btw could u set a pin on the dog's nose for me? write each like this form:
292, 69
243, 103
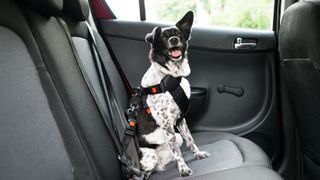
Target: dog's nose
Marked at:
174, 40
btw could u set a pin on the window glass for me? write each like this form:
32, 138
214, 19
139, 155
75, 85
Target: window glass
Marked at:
125, 9
256, 14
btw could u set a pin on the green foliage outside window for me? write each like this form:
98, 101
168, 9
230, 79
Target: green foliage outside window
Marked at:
255, 14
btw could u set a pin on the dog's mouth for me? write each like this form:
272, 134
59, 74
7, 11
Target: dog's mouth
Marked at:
175, 52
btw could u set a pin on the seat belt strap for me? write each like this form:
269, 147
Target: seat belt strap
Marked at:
104, 114
134, 167
102, 111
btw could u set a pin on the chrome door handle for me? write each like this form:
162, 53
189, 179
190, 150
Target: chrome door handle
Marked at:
239, 44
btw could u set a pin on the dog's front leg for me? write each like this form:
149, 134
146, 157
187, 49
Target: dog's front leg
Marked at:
185, 133
174, 146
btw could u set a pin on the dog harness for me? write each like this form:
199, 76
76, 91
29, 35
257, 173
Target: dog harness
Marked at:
168, 83
172, 85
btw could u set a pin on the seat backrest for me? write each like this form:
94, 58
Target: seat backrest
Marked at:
76, 13
37, 140
299, 47
76, 17
50, 127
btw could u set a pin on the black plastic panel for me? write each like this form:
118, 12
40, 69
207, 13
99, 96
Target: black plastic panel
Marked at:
227, 112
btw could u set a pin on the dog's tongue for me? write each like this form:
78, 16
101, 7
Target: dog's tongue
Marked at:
175, 53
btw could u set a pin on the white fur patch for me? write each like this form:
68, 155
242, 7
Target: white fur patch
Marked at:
156, 137
156, 72
149, 159
163, 154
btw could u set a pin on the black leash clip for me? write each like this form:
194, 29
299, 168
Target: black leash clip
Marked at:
132, 121
132, 110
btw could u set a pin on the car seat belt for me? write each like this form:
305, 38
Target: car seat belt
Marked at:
123, 76
129, 163
134, 156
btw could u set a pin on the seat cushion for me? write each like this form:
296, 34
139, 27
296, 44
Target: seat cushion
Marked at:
228, 153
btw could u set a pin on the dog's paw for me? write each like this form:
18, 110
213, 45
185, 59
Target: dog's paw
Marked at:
147, 175
201, 154
185, 171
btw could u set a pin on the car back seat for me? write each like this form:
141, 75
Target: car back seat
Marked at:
51, 127
228, 151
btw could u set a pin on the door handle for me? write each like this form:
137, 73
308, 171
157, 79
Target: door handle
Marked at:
245, 43
237, 91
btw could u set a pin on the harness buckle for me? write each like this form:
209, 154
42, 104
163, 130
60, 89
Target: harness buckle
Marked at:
131, 129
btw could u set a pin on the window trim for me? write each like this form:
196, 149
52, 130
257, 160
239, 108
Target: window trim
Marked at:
276, 16
142, 10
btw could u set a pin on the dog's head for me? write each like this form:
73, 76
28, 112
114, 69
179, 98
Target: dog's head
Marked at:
171, 43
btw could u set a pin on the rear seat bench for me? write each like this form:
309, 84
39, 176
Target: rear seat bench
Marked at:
50, 125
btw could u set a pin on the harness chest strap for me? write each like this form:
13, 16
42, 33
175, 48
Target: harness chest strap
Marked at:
172, 85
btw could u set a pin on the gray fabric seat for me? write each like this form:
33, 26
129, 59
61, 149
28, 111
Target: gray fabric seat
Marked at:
299, 45
228, 153
37, 140
50, 126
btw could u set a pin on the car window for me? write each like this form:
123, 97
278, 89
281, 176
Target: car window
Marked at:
255, 14
125, 9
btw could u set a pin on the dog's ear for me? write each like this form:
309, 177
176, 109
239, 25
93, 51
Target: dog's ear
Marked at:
185, 24
154, 36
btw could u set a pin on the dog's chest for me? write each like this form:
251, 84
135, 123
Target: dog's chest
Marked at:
163, 108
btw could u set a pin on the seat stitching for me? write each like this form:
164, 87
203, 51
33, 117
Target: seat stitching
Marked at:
241, 152
296, 59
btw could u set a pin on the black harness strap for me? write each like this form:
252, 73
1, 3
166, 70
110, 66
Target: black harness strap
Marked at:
130, 131
181, 99
172, 85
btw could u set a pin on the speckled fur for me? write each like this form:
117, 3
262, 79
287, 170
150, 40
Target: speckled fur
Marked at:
166, 113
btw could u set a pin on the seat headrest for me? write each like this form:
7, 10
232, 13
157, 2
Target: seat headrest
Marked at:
45, 7
299, 32
76, 9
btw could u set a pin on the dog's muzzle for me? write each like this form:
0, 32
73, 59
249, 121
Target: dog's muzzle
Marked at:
173, 41
174, 47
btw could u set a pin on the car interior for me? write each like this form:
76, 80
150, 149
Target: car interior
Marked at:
67, 68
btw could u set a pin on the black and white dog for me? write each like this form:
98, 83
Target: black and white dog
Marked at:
168, 56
